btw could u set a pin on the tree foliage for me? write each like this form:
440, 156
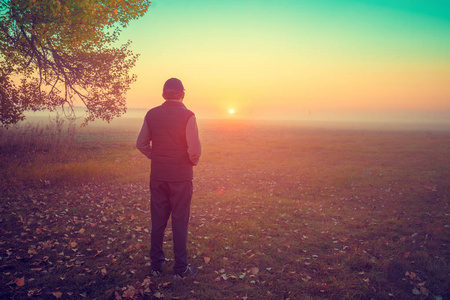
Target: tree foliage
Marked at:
59, 52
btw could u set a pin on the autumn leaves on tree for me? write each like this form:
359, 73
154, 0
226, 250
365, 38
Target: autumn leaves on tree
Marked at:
59, 52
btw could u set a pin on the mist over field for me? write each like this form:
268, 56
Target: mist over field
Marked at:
407, 120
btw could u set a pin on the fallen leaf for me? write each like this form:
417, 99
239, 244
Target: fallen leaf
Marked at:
432, 188
424, 291
20, 281
254, 270
146, 282
57, 294
130, 292
207, 259
73, 244
34, 292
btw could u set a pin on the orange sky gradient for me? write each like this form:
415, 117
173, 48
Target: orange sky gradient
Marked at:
293, 59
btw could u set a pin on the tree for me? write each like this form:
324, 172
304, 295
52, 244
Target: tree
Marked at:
57, 52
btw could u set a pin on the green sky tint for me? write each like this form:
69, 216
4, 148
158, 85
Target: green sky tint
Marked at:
289, 56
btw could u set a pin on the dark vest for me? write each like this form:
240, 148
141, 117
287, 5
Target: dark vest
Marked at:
170, 159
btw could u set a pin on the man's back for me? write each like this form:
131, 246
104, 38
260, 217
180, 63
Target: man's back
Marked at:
169, 137
167, 125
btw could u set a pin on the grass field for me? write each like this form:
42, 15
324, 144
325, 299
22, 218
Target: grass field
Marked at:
279, 212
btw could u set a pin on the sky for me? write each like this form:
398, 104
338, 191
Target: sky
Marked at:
293, 59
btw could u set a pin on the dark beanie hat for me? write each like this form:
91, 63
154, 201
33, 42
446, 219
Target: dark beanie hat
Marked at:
173, 84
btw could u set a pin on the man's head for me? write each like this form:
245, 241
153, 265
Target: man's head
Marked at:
173, 89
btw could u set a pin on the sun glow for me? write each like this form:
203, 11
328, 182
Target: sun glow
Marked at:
231, 111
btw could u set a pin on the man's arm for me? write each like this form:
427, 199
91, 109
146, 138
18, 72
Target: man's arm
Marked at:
143, 141
194, 147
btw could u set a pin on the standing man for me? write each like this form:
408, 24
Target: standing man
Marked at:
169, 137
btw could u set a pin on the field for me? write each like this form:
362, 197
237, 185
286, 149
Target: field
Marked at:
280, 211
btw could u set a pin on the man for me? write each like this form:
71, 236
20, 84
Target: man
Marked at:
175, 148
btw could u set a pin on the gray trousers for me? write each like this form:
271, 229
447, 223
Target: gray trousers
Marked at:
170, 198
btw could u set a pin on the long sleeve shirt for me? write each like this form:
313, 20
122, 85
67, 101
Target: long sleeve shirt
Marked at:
194, 148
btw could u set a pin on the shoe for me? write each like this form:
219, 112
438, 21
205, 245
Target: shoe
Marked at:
157, 273
189, 272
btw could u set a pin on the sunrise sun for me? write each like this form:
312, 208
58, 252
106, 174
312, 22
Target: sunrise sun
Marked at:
231, 111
